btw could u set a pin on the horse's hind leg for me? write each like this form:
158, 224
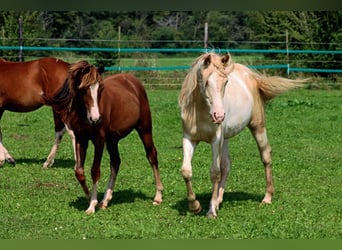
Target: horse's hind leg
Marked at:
95, 174
265, 150
151, 154
225, 168
4, 155
59, 132
81, 150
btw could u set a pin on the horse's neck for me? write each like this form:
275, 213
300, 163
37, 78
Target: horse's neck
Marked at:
199, 103
194, 111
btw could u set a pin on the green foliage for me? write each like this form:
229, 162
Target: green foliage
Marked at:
106, 33
34, 28
307, 30
304, 128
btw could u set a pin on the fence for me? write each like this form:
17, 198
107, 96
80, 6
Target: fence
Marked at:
156, 74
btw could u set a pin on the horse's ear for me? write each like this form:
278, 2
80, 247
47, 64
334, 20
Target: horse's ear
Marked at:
225, 59
101, 69
207, 60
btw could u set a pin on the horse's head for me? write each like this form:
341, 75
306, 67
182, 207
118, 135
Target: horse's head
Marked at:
213, 77
86, 83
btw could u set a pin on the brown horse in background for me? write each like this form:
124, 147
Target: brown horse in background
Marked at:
22, 87
105, 112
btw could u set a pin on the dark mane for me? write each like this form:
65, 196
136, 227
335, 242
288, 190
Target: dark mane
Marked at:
81, 75
62, 99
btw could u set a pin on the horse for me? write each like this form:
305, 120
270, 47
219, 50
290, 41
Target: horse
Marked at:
218, 99
104, 111
22, 86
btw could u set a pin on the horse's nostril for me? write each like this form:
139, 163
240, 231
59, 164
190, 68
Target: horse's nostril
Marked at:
219, 116
95, 121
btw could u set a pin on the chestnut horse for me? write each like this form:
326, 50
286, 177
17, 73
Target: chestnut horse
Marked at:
218, 100
22, 86
105, 112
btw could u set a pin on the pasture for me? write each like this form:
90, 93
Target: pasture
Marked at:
305, 132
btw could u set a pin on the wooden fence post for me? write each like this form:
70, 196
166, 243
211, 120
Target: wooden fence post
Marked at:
20, 39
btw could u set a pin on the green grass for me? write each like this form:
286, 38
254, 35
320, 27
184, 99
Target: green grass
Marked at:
304, 128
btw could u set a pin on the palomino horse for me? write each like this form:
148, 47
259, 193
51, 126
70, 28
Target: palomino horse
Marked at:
22, 86
105, 112
218, 100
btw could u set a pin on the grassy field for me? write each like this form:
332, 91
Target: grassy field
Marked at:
304, 127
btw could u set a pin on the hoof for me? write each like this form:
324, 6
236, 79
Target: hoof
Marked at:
265, 202
156, 202
11, 161
47, 164
90, 211
102, 206
210, 215
195, 207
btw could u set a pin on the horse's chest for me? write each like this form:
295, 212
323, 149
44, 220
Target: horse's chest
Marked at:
203, 131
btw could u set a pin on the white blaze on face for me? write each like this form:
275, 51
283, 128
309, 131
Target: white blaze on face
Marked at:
93, 112
215, 94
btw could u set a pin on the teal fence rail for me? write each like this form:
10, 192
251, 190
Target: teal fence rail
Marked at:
189, 50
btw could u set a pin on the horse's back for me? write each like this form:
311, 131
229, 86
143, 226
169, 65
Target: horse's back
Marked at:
124, 104
20, 69
53, 73
24, 83
125, 85
125, 81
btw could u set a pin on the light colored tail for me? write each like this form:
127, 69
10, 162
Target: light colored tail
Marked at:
272, 86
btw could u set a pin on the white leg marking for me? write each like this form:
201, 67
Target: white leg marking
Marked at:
93, 200
52, 155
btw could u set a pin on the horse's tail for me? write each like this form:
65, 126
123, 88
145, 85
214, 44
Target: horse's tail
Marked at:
272, 86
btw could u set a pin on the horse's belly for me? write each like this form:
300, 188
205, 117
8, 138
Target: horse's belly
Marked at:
231, 130
26, 101
22, 107
236, 121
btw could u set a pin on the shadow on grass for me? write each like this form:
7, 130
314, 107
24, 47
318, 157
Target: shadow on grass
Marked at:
204, 199
58, 163
119, 197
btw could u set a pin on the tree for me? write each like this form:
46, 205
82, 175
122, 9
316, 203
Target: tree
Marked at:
105, 38
35, 31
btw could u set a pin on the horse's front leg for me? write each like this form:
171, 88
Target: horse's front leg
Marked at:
95, 174
215, 176
81, 150
112, 148
225, 169
4, 155
188, 151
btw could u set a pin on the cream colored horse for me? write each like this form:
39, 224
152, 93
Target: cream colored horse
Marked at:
218, 100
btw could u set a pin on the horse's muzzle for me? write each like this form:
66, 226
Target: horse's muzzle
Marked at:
218, 118
94, 121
